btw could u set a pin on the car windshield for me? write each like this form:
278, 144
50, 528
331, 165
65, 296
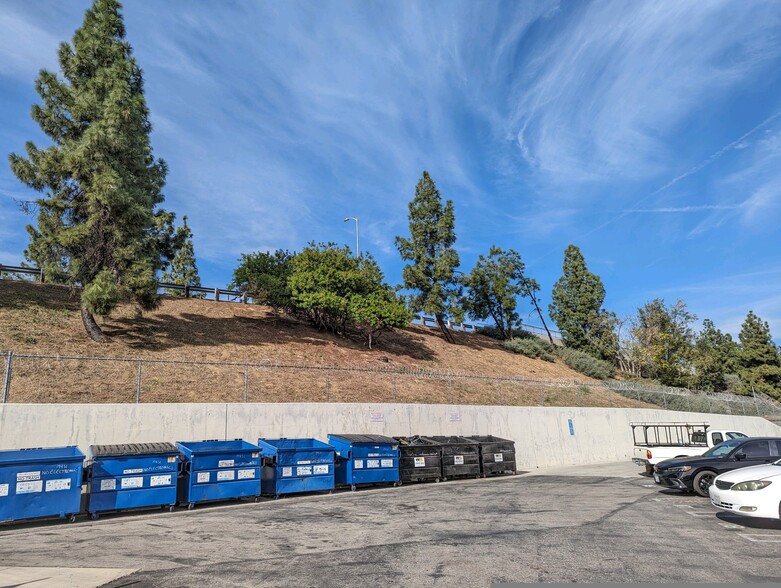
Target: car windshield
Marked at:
736, 435
722, 449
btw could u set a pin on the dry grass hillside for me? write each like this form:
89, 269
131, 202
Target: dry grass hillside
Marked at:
44, 320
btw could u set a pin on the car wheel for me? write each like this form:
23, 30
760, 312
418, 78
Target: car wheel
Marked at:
703, 481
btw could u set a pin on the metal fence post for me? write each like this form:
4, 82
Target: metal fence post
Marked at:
451, 390
394, 387
754, 394
246, 381
664, 397
9, 359
138, 384
327, 385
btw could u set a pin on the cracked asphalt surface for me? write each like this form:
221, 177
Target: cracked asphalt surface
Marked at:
600, 523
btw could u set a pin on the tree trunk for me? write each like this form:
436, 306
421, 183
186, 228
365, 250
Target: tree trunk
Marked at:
539, 312
93, 330
445, 331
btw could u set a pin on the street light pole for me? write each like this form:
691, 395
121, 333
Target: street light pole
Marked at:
357, 248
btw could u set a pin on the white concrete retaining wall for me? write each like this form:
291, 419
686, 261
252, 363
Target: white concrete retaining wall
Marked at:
541, 434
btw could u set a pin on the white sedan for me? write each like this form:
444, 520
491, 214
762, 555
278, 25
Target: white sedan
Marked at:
754, 491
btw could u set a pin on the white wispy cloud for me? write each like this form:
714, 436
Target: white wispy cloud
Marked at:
608, 88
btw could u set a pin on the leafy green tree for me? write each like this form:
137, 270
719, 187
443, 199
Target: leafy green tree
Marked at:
99, 225
183, 270
431, 275
264, 276
759, 367
576, 305
339, 292
714, 356
665, 339
494, 285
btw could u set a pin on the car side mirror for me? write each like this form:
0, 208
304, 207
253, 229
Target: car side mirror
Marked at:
739, 456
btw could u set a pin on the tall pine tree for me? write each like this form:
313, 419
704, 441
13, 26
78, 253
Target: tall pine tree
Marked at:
431, 275
760, 370
183, 270
576, 305
99, 225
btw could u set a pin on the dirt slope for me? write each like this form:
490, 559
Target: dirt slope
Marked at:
44, 319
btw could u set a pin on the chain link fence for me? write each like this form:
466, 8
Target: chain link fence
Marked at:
29, 378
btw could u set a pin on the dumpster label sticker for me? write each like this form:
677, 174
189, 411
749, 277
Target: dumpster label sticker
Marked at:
108, 485
498, 457
225, 463
287, 472
28, 476
372, 463
160, 481
227, 475
256, 454
137, 482
374, 455
3, 489
133, 471
387, 463
321, 469
61, 484
304, 470
246, 474
172, 459
304, 462
358, 464
29, 487
458, 460
203, 477
420, 462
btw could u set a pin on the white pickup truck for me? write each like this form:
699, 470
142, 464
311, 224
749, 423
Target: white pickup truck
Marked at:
655, 442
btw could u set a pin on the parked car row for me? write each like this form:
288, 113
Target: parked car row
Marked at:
37, 483
740, 475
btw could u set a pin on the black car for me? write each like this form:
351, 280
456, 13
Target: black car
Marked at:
697, 473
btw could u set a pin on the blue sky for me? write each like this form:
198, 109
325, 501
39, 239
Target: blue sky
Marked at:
646, 133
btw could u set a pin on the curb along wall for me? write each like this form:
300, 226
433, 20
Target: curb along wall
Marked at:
542, 434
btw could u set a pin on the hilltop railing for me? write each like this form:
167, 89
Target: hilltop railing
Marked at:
223, 295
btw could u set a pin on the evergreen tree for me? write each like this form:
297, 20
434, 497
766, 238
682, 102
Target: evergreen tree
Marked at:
431, 275
98, 219
577, 302
494, 286
182, 270
714, 356
339, 292
760, 370
264, 276
665, 341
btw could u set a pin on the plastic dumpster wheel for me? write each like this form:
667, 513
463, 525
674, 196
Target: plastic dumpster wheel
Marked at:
93, 516
172, 508
436, 480
397, 484
72, 518
444, 479
191, 506
330, 492
352, 487
276, 496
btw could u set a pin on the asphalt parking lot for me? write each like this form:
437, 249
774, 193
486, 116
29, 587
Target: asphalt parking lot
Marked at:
601, 523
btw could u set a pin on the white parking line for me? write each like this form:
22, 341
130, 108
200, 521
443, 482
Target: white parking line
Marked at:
761, 538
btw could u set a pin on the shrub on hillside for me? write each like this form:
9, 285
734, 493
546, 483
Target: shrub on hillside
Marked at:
586, 364
534, 348
495, 333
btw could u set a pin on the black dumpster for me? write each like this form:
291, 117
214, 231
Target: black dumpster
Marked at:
497, 455
421, 459
460, 457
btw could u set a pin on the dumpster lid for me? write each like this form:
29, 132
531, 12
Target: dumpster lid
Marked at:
489, 439
365, 438
132, 449
452, 440
416, 440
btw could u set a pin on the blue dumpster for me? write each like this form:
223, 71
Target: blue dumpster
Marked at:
40, 483
365, 459
218, 470
296, 465
132, 475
